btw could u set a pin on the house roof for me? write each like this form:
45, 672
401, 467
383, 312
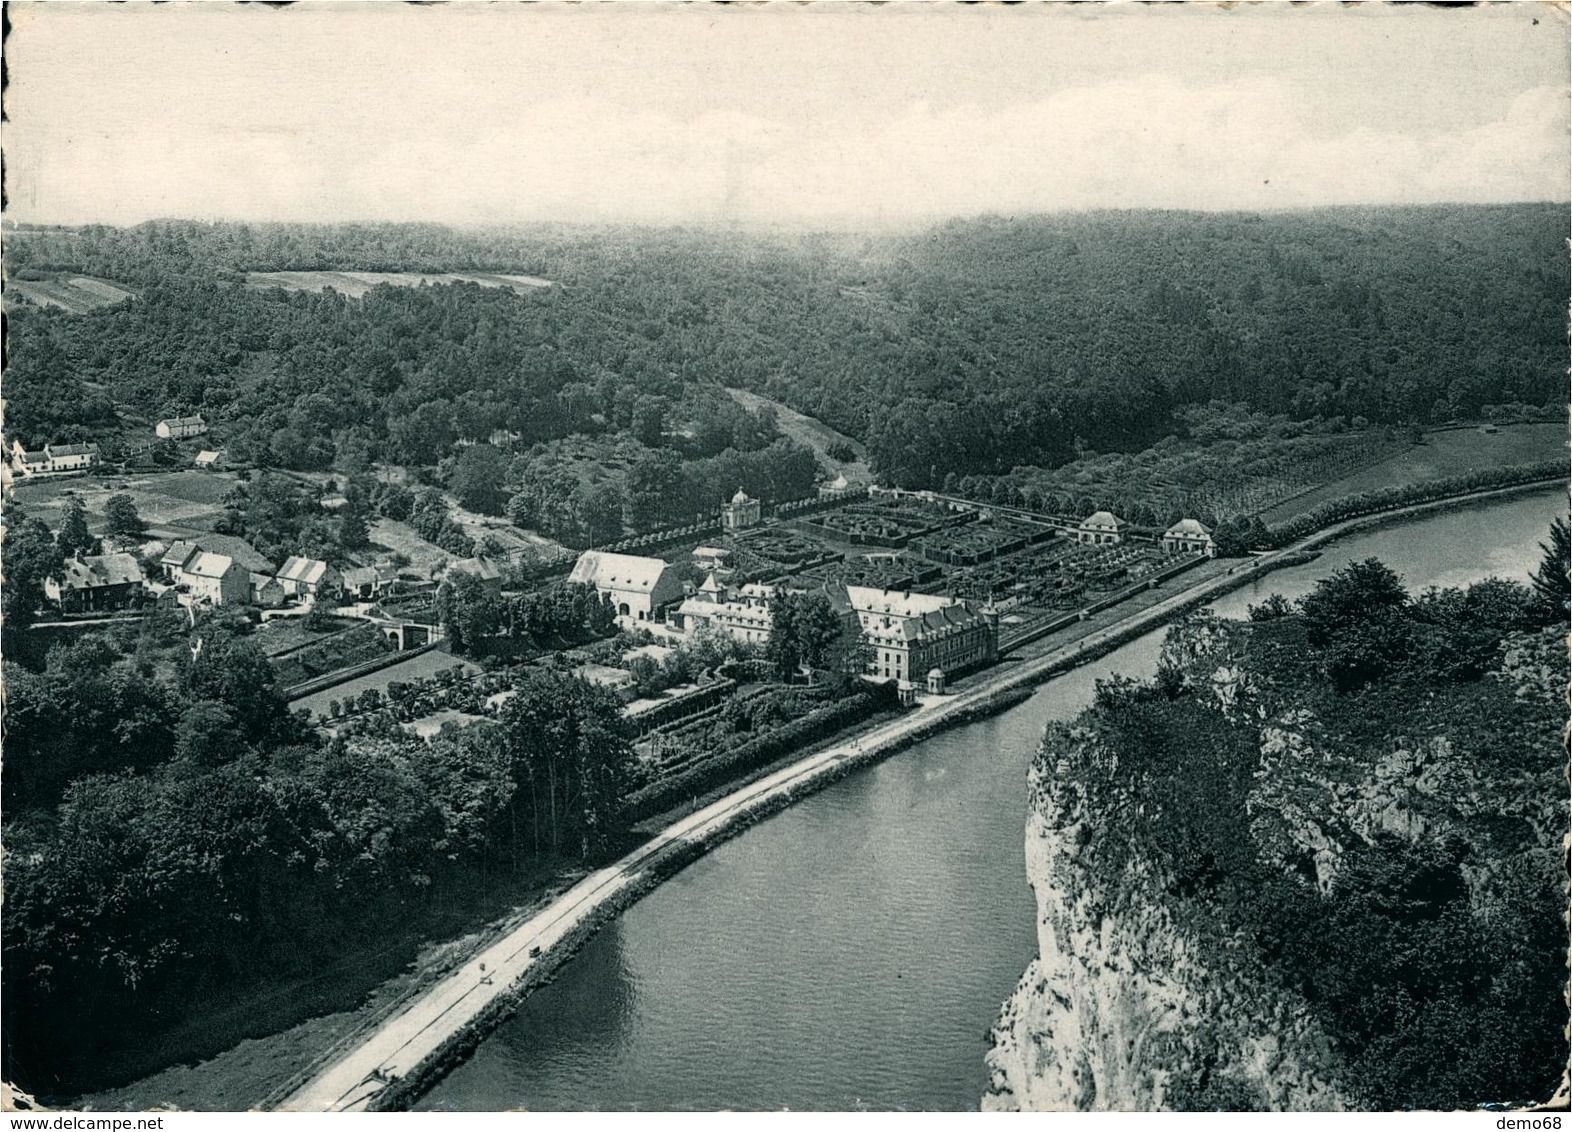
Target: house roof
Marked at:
309, 571
178, 554
741, 497
238, 549
481, 566
208, 456
1188, 528
208, 565
711, 552
53, 450
726, 610
1103, 520
99, 570
183, 422
605, 570
357, 576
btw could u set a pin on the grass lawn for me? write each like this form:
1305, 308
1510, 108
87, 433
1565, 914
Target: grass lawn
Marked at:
1443, 454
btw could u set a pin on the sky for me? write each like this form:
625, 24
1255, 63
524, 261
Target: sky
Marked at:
817, 115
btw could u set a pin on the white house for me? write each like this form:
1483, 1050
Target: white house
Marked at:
25, 462
178, 428
637, 588
210, 459
309, 578
216, 578
1189, 536
71, 457
1102, 528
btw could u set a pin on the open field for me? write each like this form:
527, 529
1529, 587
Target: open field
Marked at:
357, 283
77, 294
184, 498
1449, 453
812, 432
426, 664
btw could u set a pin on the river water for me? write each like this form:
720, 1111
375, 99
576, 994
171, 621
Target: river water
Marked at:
852, 951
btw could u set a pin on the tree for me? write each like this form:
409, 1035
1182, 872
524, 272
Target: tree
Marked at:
806, 631
74, 537
30, 555
476, 479
1552, 581
469, 611
124, 522
1357, 619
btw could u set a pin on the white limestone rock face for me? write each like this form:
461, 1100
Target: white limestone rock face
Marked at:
1119, 1012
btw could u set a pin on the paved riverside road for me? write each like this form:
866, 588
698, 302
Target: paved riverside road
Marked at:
407, 1039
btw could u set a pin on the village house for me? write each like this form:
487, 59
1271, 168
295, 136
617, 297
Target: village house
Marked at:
481, 567
638, 588
217, 579
27, 463
1102, 528
745, 616
178, 428
266, 591
209, 460
1189, 536
97, 583
741, 513
53, 458
309, 579
71, 457
911, 634
367, 583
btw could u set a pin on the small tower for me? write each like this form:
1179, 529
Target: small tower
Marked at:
741, 513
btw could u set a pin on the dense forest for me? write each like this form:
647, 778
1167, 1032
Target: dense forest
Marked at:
1373, 838
967, 349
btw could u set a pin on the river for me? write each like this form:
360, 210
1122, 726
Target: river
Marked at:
853, 951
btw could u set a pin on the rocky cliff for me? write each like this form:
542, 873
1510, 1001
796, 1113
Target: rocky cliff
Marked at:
1120, 1012
1152, 989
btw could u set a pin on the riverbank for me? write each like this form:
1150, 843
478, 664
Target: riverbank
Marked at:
410, 1055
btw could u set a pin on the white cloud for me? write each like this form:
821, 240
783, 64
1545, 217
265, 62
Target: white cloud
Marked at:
329, 134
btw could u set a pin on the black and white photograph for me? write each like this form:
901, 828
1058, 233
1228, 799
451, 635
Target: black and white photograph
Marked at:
821, 557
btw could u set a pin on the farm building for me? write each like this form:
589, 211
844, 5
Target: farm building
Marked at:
741, 513
231, 546
96, 583
1101, 528
910, 634
25, 462
637, 588
53, 458
1189, 536
745, 616
209, 460
309, 578
178, 428
481, 567
366, 583
266, 591
71, 457
217, 579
